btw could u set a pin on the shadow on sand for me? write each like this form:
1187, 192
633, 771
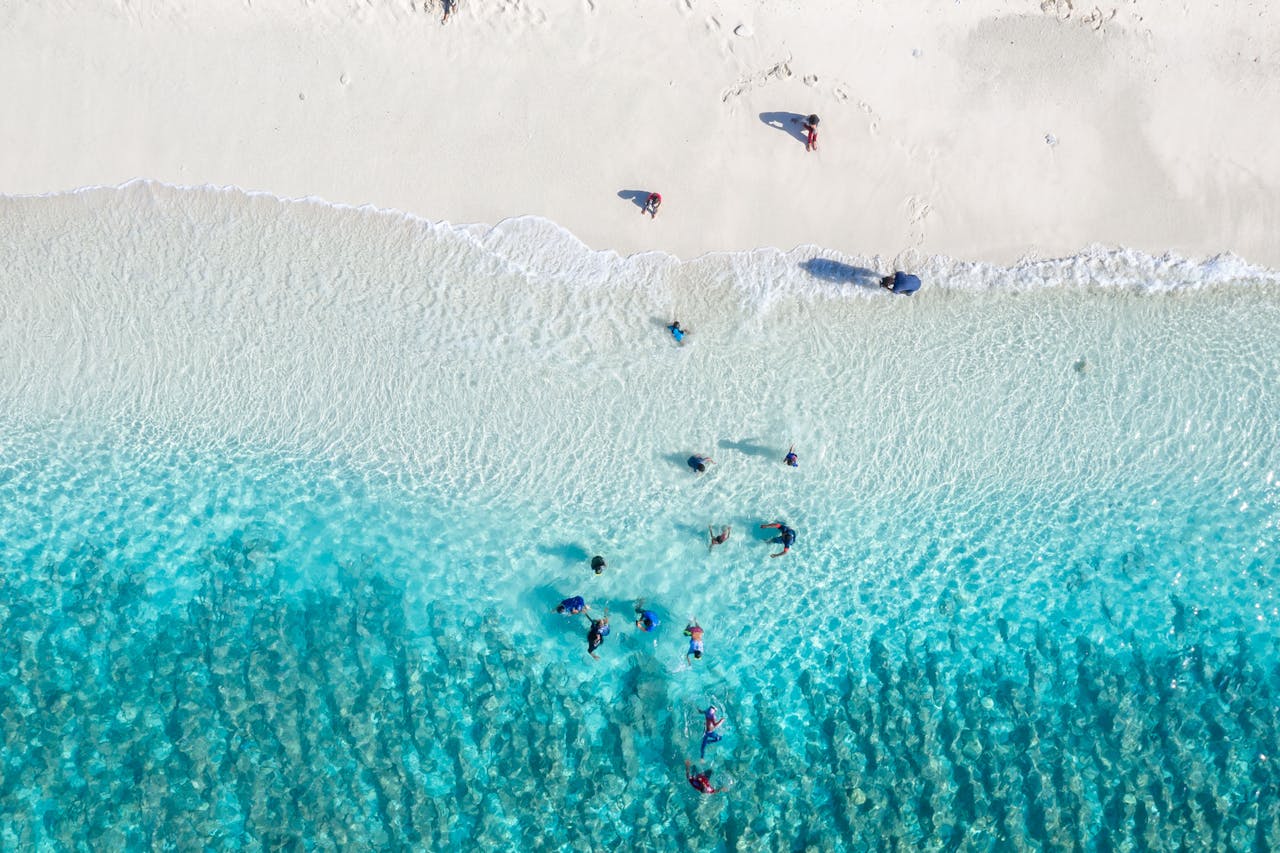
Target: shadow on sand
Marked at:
790, 123
841, 273
636, 197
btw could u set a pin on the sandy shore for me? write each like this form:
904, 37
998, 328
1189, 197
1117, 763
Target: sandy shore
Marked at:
979, 129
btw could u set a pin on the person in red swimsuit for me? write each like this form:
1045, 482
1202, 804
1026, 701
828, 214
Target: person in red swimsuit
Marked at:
651, 205
701, 781
811, 130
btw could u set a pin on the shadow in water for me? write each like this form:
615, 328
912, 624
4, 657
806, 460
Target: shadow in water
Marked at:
571, 552
829, 270
750, 448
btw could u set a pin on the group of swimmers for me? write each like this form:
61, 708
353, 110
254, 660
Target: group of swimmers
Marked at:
647, 620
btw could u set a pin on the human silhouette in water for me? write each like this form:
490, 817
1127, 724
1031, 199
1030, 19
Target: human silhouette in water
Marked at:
700, 779
720, 538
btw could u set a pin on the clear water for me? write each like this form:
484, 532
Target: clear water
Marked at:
288, 493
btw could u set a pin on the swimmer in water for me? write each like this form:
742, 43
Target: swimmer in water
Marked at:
596, 633
791, 458
694, 632
700, 780
677, 332
597, 564
786, 537
646, 620
573, 606
699, 463
718, 540
710, 722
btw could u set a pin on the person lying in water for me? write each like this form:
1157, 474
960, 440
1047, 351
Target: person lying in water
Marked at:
709, 734
786, 537
694, 632
720, 539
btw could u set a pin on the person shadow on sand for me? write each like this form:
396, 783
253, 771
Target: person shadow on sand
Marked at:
790, 123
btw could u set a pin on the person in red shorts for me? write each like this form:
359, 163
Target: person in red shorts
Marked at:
651, 205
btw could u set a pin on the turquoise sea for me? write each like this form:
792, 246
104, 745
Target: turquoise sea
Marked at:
288, 493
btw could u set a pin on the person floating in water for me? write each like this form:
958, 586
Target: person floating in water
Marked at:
596, 633
646, 620
709, 734
597, 564
791, 458
694, 632
720, 539
786, 537
651, 205
573, 606
700, 780
677, 332
699, 463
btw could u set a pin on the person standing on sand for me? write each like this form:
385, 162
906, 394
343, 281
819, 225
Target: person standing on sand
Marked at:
811, 133
718, 540
651, 205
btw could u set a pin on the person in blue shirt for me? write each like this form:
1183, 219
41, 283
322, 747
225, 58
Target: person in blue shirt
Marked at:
646, 620
572, 606
711, 723
786, 537
791, 458
677, 332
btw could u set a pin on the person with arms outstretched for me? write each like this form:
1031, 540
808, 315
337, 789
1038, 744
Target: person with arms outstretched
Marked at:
786, 537
791, 459
718, 539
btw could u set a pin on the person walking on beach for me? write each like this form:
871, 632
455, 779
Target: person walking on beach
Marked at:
709, 734
596, 633
572, 606
699, 462
700, 779
786, 537
694, 632
448, 9
720, 539
651, 205
791, 458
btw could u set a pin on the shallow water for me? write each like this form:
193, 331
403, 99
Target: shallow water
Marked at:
288, 493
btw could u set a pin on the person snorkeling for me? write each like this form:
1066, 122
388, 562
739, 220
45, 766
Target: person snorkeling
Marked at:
596, 633
786, 537
699, 463
709, 734
718, 539
572, 606
791, 458
694, 632
700, 779
646, 620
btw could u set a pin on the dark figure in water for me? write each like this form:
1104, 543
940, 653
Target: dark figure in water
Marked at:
711, 722
699, 779
791, 458
596, 633
597, 564
572, 606
720, 539
699, 463
786, 537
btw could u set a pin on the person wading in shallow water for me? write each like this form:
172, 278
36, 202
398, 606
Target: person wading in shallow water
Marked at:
722, 538
596, 633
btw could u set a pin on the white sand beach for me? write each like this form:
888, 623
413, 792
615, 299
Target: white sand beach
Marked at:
979, 129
